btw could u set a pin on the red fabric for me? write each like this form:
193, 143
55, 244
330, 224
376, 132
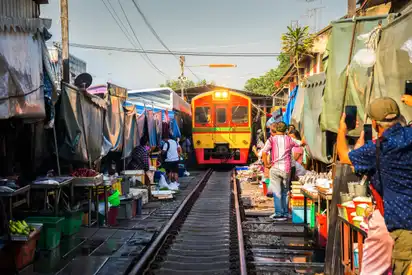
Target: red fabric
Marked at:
377, 197
378, 200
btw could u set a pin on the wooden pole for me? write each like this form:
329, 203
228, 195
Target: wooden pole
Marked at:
351, 8
64, 17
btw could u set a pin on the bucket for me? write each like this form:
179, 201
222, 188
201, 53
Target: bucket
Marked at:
345, 197
265, 188
360, 190
113, 212
139, 206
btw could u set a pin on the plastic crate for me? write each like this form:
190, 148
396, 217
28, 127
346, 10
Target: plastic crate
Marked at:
72, 223
298, 215
51, 233
297, 201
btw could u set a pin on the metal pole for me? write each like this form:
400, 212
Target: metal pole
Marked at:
64, 17
182, 75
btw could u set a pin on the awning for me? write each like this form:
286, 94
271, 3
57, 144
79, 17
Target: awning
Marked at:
159, 98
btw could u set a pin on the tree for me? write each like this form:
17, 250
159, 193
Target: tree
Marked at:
176, 84
265, 84
297, 43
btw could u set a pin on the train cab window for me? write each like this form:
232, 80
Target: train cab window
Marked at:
202, 115
220, 115
240, 114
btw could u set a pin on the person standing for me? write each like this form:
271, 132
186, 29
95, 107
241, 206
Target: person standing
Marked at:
391, 177
187, 150
171, 151
280, 147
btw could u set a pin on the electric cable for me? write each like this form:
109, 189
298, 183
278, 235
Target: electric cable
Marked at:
153, 31
160, 52
123, 28
138, 41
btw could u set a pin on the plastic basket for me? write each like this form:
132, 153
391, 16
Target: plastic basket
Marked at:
114, 199
72, 223
51, 233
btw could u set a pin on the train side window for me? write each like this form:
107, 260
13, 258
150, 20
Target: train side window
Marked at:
239, 114
220, 115
202, 115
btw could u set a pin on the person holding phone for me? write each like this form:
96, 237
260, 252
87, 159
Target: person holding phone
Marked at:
393, 179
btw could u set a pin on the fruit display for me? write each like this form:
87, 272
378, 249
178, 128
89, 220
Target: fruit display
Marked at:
84, 173
20, 228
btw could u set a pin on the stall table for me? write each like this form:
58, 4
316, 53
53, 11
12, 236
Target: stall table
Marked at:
57, 188
90, 184
10, 195
350, 235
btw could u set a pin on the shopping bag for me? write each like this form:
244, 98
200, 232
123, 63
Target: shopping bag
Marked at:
377, 249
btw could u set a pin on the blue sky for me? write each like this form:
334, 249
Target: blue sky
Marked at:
212, 25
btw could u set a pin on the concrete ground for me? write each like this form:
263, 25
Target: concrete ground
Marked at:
110, 250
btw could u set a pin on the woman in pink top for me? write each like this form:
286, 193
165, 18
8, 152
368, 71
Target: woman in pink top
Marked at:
297, 152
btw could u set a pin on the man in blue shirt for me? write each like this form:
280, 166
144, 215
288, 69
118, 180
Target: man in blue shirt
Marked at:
396, 172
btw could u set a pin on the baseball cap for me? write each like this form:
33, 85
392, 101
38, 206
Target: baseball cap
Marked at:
383, 109
281, 127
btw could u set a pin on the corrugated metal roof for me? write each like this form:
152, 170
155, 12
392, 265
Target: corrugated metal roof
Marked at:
31, 25
19, 9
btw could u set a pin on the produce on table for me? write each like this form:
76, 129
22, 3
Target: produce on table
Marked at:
84, 173
20, 228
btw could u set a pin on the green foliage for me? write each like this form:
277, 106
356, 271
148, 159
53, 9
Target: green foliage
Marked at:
265, 84
176, 84
297, 42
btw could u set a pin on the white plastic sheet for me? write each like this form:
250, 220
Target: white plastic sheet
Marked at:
407, 47
21, 92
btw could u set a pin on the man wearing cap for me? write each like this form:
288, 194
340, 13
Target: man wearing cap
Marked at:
280, 147
396, 172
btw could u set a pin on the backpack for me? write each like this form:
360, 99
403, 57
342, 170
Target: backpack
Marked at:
164, 153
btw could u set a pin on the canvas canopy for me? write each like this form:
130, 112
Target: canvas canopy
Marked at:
312, 108
393, 66
114, 126
340, 65
161, 98
80, 124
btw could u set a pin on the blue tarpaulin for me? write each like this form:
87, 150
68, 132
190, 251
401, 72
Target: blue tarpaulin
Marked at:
175, 129
287, 116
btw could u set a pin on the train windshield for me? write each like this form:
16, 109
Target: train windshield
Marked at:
202, 115
220, 115
240, 114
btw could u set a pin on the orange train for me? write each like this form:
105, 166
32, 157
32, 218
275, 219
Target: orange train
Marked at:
221, 124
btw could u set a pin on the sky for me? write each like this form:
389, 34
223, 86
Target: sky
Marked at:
214, 25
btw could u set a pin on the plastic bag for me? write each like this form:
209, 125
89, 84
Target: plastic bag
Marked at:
163, 182
407, 47
365, 58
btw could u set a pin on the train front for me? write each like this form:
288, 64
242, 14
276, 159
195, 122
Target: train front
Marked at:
221, 127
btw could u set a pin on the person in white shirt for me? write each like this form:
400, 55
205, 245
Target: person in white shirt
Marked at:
171, 151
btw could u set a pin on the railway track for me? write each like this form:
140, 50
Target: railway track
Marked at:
279, 248
204, 236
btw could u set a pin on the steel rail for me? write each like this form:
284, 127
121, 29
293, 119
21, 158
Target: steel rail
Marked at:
154, 246
242, 256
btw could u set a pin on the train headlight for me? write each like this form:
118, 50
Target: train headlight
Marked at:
225, 94
198, 142
218, 94
245, 142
